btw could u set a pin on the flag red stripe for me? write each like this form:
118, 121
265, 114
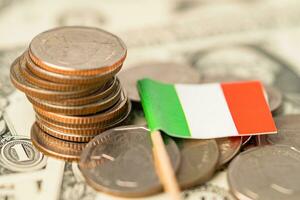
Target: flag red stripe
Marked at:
248, 107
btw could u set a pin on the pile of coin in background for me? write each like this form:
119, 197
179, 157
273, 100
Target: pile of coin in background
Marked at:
75, 95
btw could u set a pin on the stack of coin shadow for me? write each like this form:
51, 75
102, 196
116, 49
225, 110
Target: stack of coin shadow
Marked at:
69, 76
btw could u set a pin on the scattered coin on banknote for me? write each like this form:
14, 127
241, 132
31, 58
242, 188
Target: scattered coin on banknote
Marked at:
168, 72
288, 131
267, 172
120, 162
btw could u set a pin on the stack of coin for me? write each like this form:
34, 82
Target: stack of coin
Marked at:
69, 76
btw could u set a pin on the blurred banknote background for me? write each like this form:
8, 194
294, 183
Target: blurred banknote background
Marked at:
244, 38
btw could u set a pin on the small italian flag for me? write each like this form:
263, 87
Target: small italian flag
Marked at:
206, 110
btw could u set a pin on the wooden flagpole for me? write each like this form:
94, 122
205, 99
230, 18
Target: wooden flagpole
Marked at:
164, 167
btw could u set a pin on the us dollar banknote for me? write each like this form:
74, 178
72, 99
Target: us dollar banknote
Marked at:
261, 43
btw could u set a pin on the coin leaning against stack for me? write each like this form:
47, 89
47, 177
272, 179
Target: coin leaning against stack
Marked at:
69, 76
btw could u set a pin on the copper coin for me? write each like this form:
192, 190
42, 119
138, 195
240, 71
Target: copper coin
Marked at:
288, 127
65, 136
107, 89
68, 79
199, 159
77, 50
167, 72
228, 147
269, 172
93, 130
26, 87
46, 84
120, 162
51, 146
106, 117
98, 106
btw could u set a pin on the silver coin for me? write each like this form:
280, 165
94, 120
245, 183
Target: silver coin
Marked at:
2, 126
167, 72
199, 159
269, 172
274, 98
288, 127
120, 162
18, 154
78, 48
228, 147
207, 192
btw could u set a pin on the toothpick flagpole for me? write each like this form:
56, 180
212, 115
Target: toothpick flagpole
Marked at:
164, 167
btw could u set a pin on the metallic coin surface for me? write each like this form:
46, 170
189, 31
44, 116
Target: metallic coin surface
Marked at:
107, 89
26, 87
269, 172
120, 162
47, 84
274, 98
115, 112
68, 79
51, 146
228, 147
288, 127
87, 109
199, 159
77, 50
167, 72
18, 154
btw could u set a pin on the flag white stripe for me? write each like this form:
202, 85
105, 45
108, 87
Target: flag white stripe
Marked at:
197, 101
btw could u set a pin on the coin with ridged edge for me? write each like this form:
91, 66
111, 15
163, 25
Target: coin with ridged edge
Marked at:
120, 162
101, 118
77, 50
87, 109
47, 84
20, 83
51, 146
69, 79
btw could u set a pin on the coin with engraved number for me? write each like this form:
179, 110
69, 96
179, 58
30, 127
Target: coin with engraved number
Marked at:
120, 162
51, 146
288, 127
18, 154
167, 72
228, 147
199, 159
77, 50
269, 172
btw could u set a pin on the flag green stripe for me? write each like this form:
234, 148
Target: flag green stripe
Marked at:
162, 108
